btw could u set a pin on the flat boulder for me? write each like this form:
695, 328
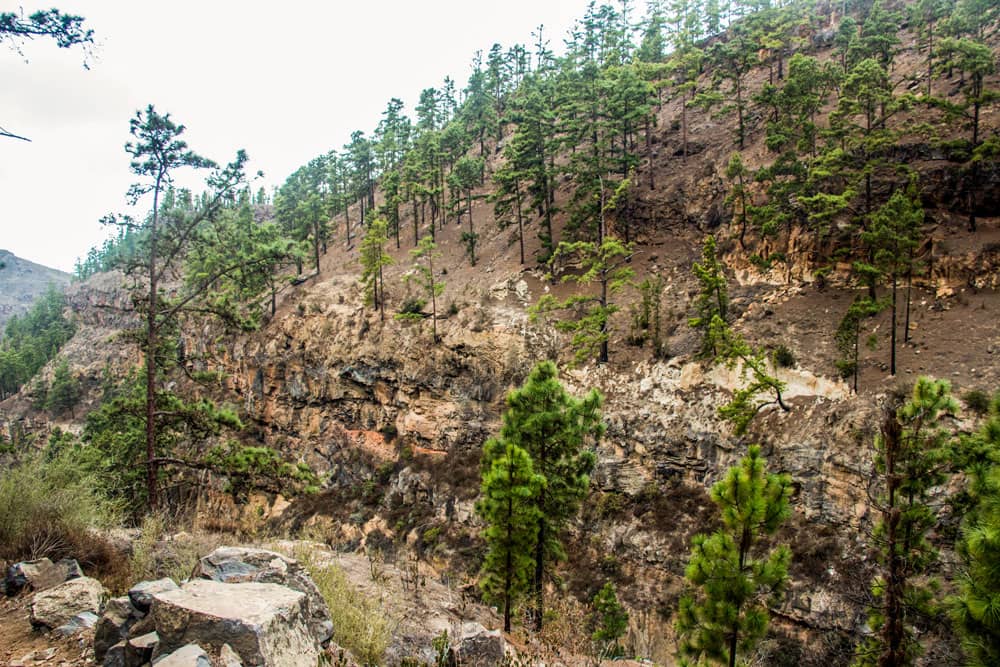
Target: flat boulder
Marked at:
243, 564
141, 595
263, 623
55, 606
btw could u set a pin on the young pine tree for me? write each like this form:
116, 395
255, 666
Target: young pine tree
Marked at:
543, 419
975, 610
712, 300
913, 455
423, 274
373, 262
735, 579
509, 489
610, 621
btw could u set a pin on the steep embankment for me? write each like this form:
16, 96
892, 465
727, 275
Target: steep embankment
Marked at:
394, 421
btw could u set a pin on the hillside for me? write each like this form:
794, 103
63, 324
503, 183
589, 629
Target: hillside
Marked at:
843, 192
21, 282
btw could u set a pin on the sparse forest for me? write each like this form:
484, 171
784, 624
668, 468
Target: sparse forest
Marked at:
688, 277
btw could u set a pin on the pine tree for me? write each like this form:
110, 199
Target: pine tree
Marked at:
610, 621
737, 580
423, 274
467, 174
64, 392
849, 333
604, 264
755, 374
892, 237
554, 428
373, 262
713, 299
913, 455
174, 225
509, 490
975, 610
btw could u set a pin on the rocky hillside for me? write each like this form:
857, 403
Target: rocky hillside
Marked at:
393, 421
21, 282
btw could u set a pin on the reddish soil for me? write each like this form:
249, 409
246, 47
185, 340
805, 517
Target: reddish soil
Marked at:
22, 646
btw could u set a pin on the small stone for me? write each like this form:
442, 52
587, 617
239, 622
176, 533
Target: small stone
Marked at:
113, 626
228, 657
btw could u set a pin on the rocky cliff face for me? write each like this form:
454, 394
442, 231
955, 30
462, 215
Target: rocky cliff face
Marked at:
395, 423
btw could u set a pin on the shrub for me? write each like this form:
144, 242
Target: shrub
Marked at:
413, 307
977, 401
48, 506
154, 557
783, 357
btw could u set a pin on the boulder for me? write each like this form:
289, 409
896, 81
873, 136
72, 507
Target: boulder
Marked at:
477, 646
76, 624
141, 594
38, 575
242, 564
113, 626
228, 657
265, 624
115, 655
190, 655
56, 606
139, 650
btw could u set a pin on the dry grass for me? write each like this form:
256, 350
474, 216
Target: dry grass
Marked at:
359, 624
155, 555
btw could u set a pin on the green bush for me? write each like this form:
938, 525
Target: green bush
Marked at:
47, 506
977, 401
783, 357
413, 307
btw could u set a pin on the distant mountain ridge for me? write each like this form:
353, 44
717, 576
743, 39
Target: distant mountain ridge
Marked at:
21, 282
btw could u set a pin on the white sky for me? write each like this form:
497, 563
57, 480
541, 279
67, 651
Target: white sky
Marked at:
284, 81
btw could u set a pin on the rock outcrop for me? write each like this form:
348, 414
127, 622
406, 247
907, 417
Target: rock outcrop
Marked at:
265, 624
242, 564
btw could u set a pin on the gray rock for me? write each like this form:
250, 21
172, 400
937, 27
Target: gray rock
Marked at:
79, 622
139, 650
241, 564
113, 626
115, 656
38, 575
56, 606
477, 647
141, 594
190, 655
265, 624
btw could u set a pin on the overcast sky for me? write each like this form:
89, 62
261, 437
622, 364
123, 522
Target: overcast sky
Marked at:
286, 82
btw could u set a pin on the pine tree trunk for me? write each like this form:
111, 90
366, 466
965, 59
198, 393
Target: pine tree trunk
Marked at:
152, 469
539, 571
893, 632
520, 218
892, 332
